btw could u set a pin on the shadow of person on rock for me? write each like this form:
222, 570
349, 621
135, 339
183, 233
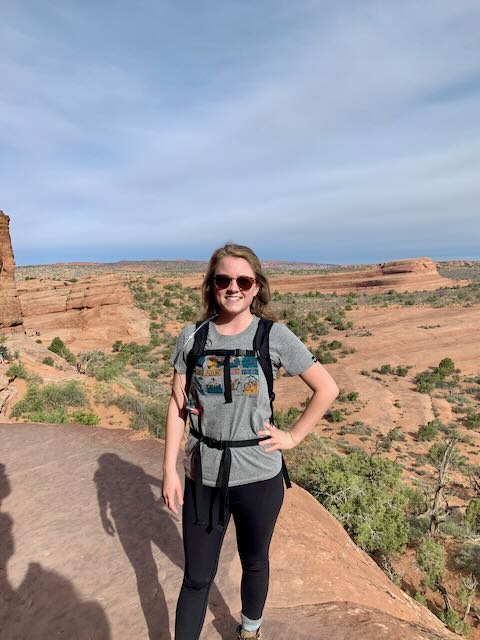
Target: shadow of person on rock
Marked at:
140, 520
45, 605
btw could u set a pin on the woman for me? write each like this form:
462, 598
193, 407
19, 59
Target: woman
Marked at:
233, 460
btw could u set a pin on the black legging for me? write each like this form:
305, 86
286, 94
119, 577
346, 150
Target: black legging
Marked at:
255, 507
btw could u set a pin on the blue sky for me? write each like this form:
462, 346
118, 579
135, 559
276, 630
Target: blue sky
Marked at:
313, 130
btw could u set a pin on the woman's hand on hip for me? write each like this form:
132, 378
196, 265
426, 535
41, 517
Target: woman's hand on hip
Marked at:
172, 489
278, 439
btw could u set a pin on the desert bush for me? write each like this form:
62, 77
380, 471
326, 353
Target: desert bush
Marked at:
429, 430
83, 417
432, 558
427, 380
334, 415
454, 622
336, 317
58, 346
351, 396
19, 370
187, 314
324, 357
364, 493
472, 515
147, 386
285, 419
101, 366
358, 428
50, 403
472, 418
396, 434
48, 360
416, 501
144, 414
467, 558
296, 324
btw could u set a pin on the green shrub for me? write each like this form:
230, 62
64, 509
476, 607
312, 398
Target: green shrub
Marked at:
419, 597
468, 559
285, 419
396, 434
49, 403
357, 428
454, 622
351, 396
58, 346
48, 360
427, 380
187, 314
324, 357
101, 366
432, 558
446, 367
385, 368
428, 431
18, 370
472, 419
83, 417
334, 415
401, 371
472, 515
144, 414
364, 493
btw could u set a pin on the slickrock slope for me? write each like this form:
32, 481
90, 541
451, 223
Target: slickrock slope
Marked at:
10, 310
416, 274
87, 314
82, 516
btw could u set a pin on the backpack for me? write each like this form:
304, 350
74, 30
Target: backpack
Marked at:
261, 349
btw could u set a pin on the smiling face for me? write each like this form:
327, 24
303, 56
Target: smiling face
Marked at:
232, 301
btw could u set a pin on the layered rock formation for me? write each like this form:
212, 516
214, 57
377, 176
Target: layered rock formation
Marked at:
90, 313
10, 310
413, 274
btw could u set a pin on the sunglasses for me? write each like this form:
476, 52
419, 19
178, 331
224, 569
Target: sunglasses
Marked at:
244, 282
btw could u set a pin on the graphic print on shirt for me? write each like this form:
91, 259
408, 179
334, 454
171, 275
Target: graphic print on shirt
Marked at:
208, 375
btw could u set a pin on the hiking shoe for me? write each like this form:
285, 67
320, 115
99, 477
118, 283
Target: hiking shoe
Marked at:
241, 634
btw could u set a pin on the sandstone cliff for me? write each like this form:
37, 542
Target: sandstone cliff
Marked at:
10, 310
87, 314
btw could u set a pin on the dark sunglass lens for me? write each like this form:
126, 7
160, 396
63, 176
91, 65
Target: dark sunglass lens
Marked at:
245, 283
222, 282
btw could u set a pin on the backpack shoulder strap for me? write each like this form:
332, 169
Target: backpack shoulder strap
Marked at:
200, 338
261, 344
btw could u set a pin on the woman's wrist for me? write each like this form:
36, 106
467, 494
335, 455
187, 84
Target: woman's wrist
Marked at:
295, 442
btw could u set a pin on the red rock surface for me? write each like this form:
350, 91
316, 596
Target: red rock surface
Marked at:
84, 531
91, 313
10, 310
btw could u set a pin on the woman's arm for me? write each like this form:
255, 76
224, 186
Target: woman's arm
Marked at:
325, 390
171, 485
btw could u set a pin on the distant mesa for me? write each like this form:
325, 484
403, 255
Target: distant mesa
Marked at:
409, 265
410, 274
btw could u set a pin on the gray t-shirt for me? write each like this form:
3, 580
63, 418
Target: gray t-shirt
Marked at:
250, 407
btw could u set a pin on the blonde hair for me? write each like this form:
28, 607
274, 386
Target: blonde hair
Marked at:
259, 306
